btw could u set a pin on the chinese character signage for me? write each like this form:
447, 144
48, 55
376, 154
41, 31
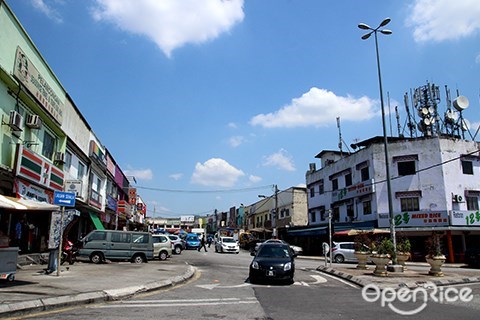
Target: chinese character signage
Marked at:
414, 219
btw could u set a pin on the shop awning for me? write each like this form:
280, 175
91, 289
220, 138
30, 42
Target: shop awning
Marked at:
25, 204
96, 221
317, 231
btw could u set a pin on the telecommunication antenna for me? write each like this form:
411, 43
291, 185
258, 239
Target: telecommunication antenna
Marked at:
410, 121
340, 139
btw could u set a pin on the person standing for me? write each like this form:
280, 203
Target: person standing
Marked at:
18, 233
202, 244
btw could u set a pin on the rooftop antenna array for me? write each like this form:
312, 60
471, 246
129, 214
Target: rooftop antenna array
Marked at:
426, 99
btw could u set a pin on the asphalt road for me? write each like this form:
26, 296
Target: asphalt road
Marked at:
221, 290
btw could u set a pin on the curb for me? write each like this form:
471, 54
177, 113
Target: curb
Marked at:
38, 305
410, 285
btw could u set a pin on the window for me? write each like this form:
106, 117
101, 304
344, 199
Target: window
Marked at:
409, 204
323, 213
312, 216
312, 192
48, 145
335, 184
81, 171
68, 160
467, 167
336, 214
158, 239
121, 237
367, 207
142, 238
472, 203
350, 211
287, 212
348, 179
100, 236
406, 168
321, 189
365, 174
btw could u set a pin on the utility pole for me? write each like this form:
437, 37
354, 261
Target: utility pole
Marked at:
274, 215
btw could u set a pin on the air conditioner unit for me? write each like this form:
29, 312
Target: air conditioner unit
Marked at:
60, 157
33, 121
457, 198
16, 121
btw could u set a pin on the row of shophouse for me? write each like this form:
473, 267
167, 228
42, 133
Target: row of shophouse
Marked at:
47, 146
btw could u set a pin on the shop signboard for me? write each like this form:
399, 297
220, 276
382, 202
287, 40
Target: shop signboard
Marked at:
465, 218
414, 219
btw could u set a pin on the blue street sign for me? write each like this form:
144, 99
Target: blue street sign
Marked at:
66, 199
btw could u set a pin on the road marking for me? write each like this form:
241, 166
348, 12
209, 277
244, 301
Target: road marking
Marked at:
341, 280
179, 303
217, 286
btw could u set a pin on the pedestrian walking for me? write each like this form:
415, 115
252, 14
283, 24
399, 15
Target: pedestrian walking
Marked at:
202, 244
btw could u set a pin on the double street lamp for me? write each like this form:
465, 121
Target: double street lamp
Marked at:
373, 31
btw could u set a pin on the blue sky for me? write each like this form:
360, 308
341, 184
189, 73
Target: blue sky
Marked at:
209, 103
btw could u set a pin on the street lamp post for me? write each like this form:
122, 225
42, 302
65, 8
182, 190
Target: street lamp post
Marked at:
363, 26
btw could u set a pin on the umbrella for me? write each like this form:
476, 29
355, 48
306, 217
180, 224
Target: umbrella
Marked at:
356, 232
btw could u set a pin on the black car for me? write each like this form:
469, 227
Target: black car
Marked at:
273, 261
472, 257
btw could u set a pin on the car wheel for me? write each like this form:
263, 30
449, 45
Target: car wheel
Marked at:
11, 278
163, 255
96, 258
178, 250
137, 259
339, 258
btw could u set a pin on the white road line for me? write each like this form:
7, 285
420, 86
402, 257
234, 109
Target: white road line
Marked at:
180, 303
338, 279
188, 300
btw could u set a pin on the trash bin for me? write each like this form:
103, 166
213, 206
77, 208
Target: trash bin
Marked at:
8, 263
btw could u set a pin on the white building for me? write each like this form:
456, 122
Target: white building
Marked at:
435, 187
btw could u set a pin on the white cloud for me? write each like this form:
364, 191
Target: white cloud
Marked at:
216, 172
440, 20
236, 141
139, 174
254, 179
47, 9
317, 107
280, 159
172, 23
232, 125
176, 176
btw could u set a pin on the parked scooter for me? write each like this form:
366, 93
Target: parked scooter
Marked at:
69, 252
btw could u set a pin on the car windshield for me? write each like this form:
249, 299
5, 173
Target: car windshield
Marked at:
192, 238
274, 252
228, 240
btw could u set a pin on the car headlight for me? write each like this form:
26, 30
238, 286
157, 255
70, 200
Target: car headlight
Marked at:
287, 266
255, 265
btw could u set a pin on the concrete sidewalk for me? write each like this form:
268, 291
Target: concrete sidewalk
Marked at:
415, 276
83, 283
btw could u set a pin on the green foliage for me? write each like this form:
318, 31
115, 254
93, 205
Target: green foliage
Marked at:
385, 246
363, 243
403, 244
434, 245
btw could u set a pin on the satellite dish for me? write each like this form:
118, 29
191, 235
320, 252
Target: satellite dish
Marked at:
427, 121
451, 115
461, 103
465, 125
432, 120
431, 110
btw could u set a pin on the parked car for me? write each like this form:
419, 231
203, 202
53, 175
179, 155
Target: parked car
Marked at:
192, 241
227, 244
472, 257
100, 245
273, 261
343, 251
178, 244
162, 246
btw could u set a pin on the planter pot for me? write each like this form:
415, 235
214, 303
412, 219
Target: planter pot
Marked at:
402, 257
362, 259
381, 261
436, 264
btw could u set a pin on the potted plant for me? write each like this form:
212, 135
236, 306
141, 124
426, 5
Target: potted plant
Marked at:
403, 251
362, 249
383, 251
435, 256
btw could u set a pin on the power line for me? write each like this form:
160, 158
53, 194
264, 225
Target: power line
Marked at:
203, 191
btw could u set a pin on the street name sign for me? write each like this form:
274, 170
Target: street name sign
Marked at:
66, 199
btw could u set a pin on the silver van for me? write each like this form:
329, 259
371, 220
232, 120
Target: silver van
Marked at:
99, 245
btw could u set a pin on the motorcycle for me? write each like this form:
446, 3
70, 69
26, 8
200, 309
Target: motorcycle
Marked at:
69, 253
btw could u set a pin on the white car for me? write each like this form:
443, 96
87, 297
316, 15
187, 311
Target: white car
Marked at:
227, 244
